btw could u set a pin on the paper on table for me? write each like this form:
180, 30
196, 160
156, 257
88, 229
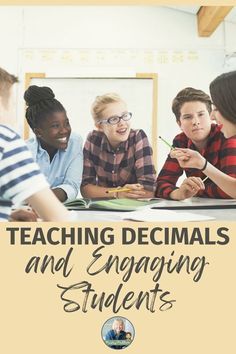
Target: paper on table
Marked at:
98, 215
145, 214
164, 215
195, 203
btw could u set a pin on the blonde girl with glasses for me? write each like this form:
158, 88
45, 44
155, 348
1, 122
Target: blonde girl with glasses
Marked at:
115, 155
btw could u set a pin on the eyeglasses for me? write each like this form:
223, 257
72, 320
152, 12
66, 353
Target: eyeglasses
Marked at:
116, 119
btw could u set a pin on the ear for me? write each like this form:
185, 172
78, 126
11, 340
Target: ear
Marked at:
1, 106
3, 112
179, 123
99, 127
37, 132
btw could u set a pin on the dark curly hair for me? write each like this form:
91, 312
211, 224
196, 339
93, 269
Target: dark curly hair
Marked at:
41, 103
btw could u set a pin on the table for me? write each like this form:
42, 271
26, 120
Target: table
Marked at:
217, 214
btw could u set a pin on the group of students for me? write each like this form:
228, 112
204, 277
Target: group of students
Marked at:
114, 155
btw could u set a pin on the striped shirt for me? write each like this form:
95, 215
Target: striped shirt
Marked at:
131, 162
19, 175
220, 152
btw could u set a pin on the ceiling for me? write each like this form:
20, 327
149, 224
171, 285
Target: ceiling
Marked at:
231, 17
189, 9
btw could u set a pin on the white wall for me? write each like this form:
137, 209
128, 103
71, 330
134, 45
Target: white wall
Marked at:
113, 41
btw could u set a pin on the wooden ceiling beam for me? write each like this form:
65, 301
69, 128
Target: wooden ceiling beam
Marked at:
210, 17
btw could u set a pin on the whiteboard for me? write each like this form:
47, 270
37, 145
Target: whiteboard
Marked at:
78, 94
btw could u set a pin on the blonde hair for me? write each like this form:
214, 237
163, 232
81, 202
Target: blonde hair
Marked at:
120, 321
6, 81
101, 102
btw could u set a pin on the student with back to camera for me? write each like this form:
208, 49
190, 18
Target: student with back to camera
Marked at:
20, 177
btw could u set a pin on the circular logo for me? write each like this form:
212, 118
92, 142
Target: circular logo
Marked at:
118, 332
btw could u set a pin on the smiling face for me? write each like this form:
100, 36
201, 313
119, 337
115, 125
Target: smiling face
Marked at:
54, 131
119, 132
118, 326
195, 122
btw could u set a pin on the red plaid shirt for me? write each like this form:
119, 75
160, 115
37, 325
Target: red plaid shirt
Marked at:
220, 152
131, 162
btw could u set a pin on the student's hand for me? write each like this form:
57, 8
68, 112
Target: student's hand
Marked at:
172, 153
23, 215
188, 158
136, 191
190, 187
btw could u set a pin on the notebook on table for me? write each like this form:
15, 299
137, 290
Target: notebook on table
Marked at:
122, 204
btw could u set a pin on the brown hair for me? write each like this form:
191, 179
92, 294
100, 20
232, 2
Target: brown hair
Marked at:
6, 81
223, 94
101, 102
189, 94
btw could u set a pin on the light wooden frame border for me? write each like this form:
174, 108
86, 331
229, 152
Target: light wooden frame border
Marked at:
152, 76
